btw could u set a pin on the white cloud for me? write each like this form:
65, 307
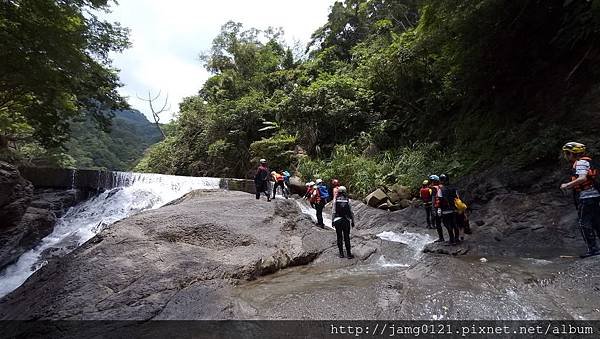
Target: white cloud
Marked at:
168, 36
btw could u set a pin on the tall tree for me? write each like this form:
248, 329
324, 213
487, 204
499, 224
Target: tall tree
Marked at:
56, 66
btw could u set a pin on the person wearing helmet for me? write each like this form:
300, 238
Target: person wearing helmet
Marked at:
434, 182
335, 184
309, 187
446, 195
261, 180
278, 182
342, 219
425, 193
317, 203
321, 196
286, 180
586, 194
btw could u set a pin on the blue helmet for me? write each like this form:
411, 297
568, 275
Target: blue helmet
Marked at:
434, 177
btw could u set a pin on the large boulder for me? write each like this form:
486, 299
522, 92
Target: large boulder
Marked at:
15, 195
296, 186
376, 198
35, 224
394, 197
404, 203
403, 192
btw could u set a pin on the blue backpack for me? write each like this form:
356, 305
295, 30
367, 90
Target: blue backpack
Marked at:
324, 192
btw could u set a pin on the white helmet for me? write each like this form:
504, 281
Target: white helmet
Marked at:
319, 181
342, 189
310, 183
263, 161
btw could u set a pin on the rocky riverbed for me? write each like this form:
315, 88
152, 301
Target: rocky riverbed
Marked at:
225, 255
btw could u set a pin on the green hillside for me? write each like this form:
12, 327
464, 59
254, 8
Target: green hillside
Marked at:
120, 149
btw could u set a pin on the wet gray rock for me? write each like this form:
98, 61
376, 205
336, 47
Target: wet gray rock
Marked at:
444, 248
38, 221
149, 263
15, 196
58, 201
35, 224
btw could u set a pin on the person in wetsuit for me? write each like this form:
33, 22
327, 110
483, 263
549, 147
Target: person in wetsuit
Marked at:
584, 182
436, 211
446, 195
425, 193
320, 198
261, 180
343, 219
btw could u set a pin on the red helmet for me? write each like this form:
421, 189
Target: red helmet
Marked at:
335, 182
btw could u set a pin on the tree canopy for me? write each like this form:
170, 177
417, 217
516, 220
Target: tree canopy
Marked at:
473, 80
55, 67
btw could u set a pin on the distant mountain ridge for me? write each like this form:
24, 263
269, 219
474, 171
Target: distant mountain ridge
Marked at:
120, 149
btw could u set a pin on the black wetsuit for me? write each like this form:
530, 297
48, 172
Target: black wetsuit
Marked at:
261, 182
437, 219
279, 184
343, 213
319, 209
589, 222
449, 212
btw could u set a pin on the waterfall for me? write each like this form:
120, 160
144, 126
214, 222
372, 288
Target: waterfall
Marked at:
132, 193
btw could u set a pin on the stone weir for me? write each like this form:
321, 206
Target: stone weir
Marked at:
66, 207
99, 180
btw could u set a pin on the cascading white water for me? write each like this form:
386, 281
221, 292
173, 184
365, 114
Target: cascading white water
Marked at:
133, 192
416, 241
312, 213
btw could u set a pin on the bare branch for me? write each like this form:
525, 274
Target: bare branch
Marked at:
150, 100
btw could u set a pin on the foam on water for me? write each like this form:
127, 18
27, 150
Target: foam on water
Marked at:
134, 192
415, 241
312, 213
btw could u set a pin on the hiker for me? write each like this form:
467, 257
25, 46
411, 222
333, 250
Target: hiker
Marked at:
446, 195
336, 186
309, 187
462, 220
436, 211
320, 197
286, 181
584, 178
261, 180
342, 219
425, 193
279, 182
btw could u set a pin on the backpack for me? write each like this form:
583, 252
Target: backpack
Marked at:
461, 207
593, 173
342, 208
446, 202
324, 192
425, 193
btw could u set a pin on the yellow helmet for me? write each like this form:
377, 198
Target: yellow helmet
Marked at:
574, 147
425, 182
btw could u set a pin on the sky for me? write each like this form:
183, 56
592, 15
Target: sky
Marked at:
168, 36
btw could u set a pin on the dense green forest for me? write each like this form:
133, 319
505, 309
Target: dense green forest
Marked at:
55, 71
386, 91
393, 90
120, 149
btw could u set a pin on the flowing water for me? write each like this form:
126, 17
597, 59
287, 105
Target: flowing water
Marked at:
290, 286
132, 193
